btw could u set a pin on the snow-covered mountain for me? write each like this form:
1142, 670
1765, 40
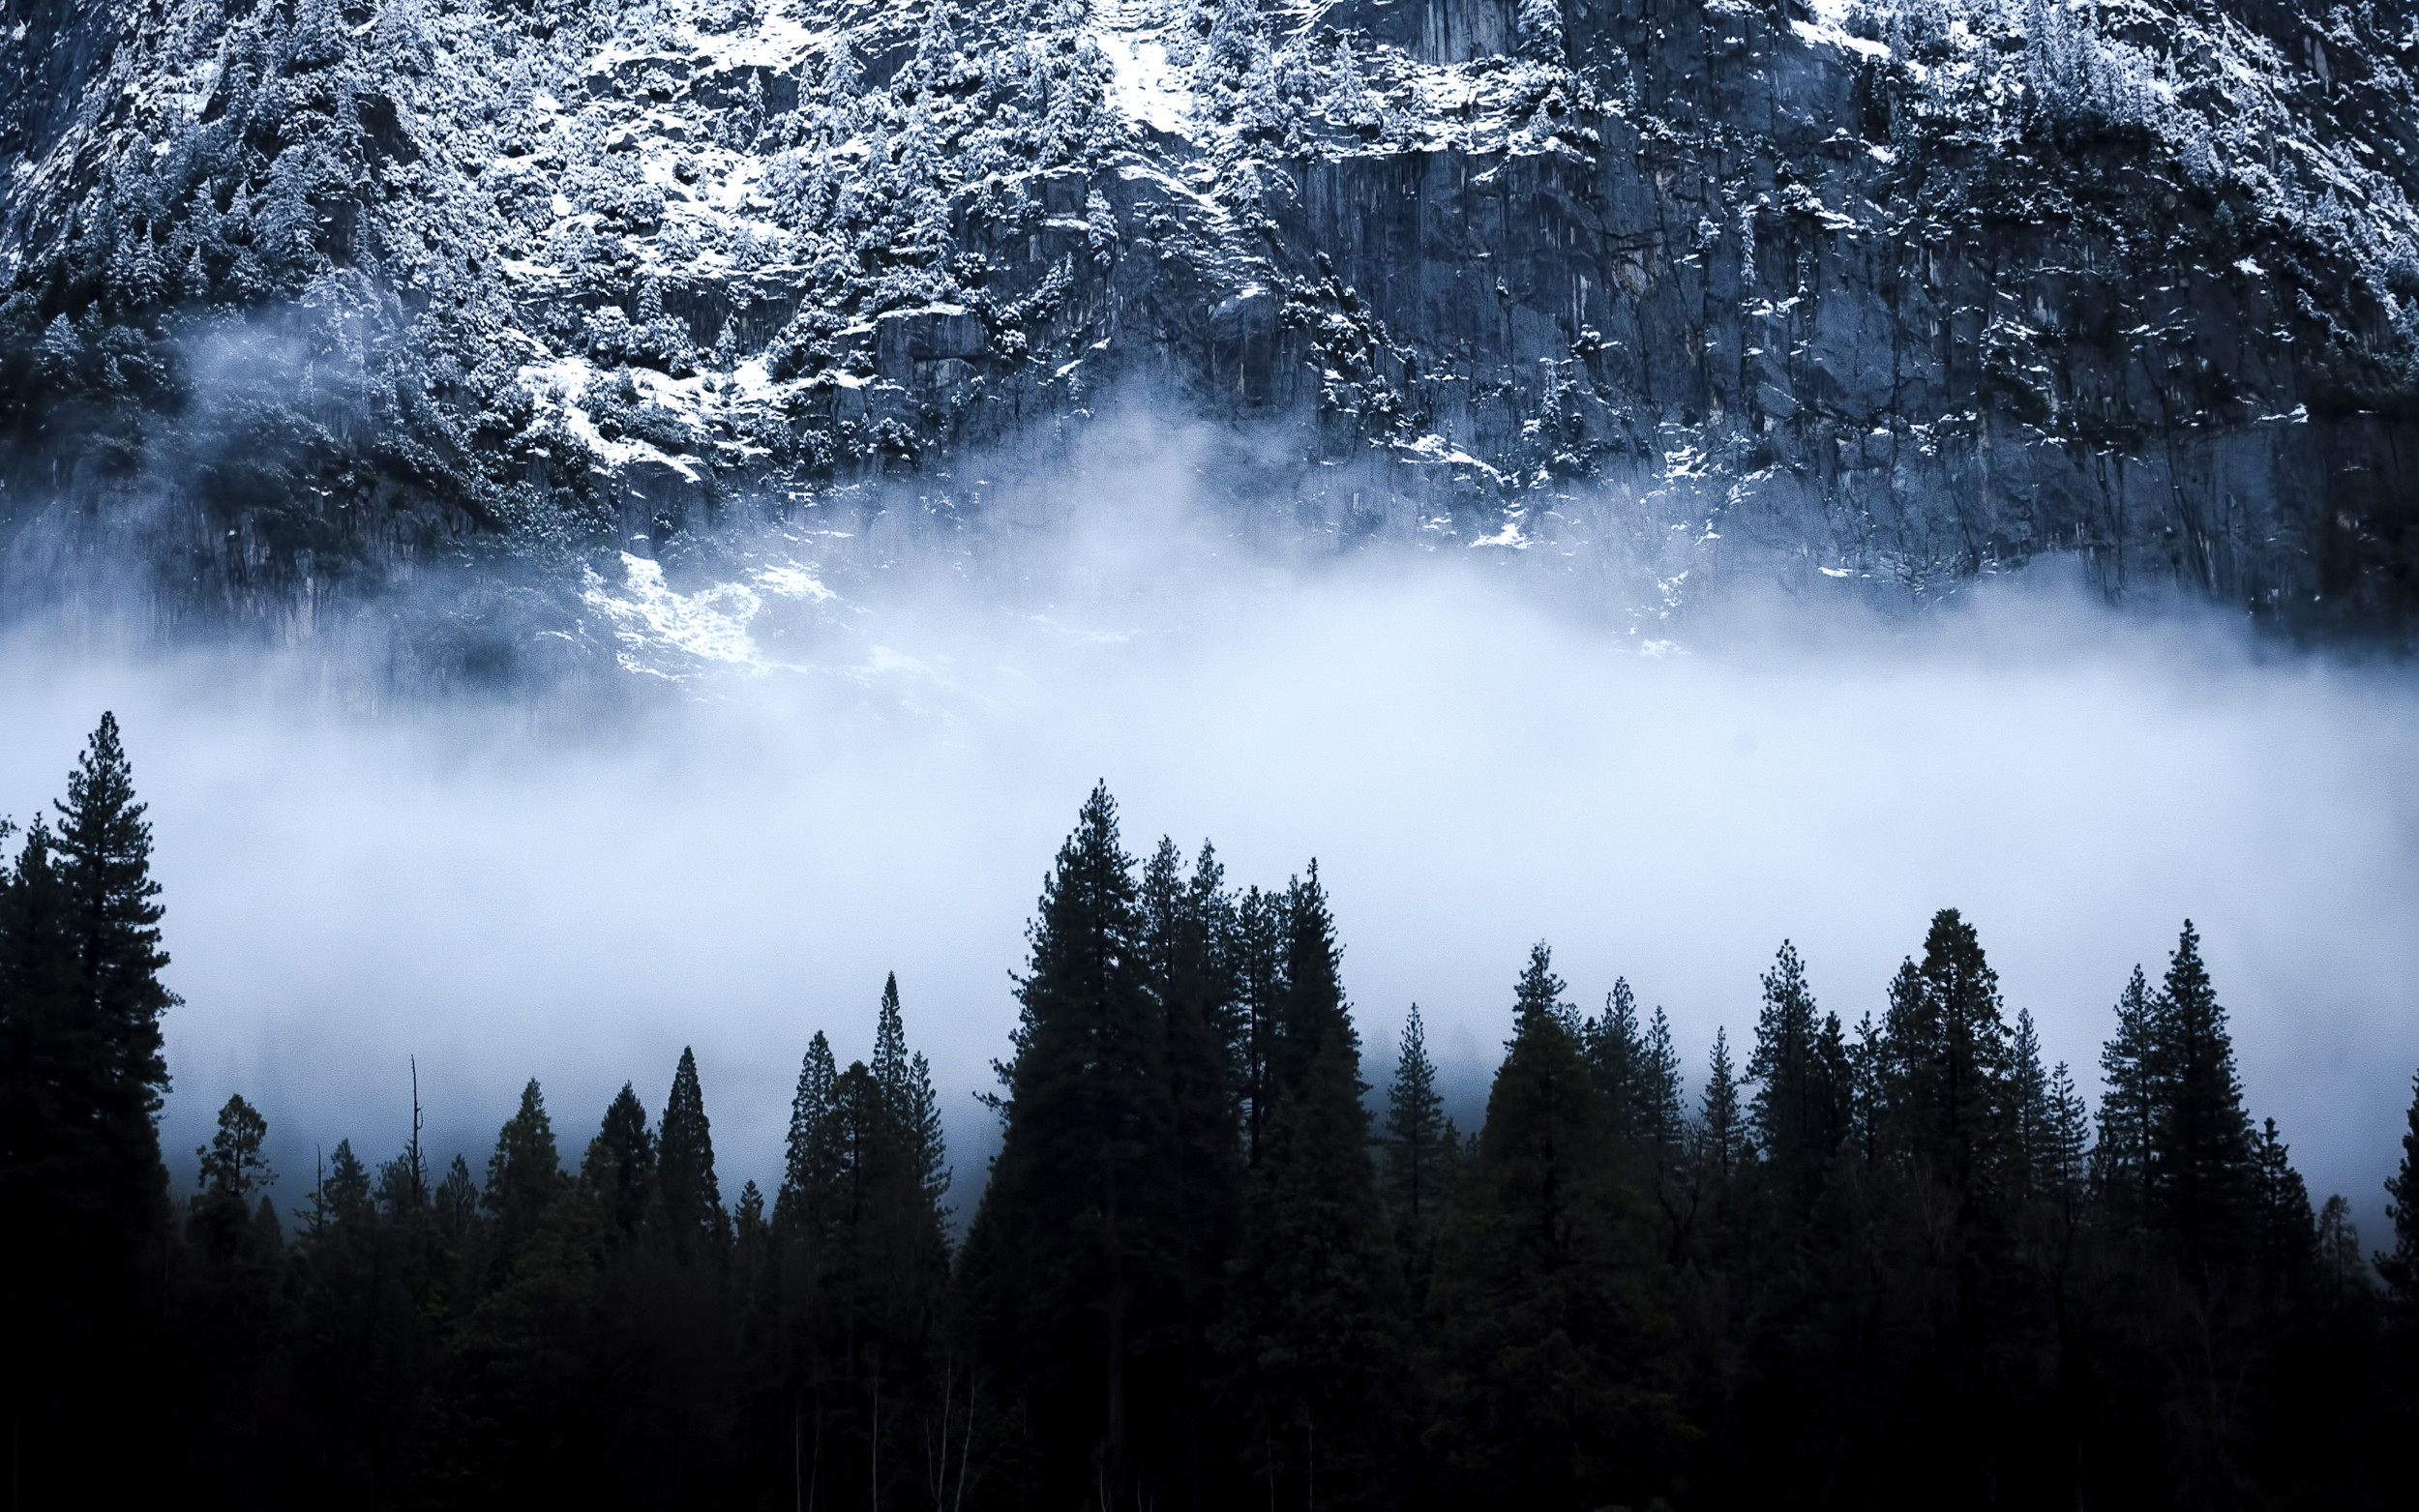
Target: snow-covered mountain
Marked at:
305, 299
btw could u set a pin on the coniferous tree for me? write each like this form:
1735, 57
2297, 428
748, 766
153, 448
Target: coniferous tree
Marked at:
104, 867
1616, 1052
619, 1169
2284, 1238
1560, 1358
229, 1303
525, 1367
1946, 1070
2201, 1169
524, 1177
687, 1196
2028, 1102
1189, 930
809, 1166
2129, 1108
2399, 1265
1722, 1140
1259, 974
1659, 1149
81, 1002
1068, 1251
1316, 1303
2066, 1145
1415, 1131
805, 1363
1800, 1104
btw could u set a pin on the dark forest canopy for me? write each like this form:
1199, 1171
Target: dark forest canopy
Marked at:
1894, 1262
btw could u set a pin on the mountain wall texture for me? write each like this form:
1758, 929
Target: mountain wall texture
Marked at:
308, 301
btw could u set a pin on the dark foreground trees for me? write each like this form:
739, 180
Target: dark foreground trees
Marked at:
1890, 1265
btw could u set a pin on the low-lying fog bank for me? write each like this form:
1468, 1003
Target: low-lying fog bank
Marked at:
738, 862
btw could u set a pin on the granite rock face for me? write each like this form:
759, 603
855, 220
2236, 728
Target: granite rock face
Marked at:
308, 302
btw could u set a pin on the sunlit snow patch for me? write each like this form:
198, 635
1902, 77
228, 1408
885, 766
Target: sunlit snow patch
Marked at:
664, 632
1144, 87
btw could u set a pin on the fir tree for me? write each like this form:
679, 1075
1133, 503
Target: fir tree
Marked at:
2284, 1230
1259, 971
1722, 1142
233, 1166
115, 1063
2028, 1100
525, 1175
619, 1170
1316, 1296
1557, 1332
1189, 930
2066, 1143
2128, 1108
809, 1166
1069, 1248
2399, 1265
81, 1002
2201, 1159
1799, 1095
1538, 992
687, 1196
1616, 1052
1414, 1156
1946, 1073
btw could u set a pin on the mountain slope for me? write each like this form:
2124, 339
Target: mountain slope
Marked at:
306, 302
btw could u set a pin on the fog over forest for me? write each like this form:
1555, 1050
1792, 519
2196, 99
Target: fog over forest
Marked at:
735, 859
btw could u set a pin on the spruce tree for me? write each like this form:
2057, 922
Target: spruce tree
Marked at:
1946, 1072
1259, 974
1798, 1097
1616, 1052
1316, 1300
2067, 1144
524, 1177
1189, 929
48, 1060
1722, 1142
1069, 1250
1558, 1340
2399, 1265
2284, 1234
2128, 1107
103, 861
1415, 1157
809, 1166
228, 1300
910, 1113
2202, 1177
81, 1002
1659, 1152
2028, 1102
1538, 992
687, 1197
619, 1169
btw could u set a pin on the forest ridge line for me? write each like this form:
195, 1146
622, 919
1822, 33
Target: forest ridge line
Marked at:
1200, 1271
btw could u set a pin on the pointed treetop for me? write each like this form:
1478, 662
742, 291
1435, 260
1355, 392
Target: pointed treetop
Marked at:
1537, 995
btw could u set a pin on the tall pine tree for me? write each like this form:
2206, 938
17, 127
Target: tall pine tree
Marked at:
688, 1199
1416, 1158
1316, 1305
1069, 1262
2202, 1180
1559, 1346
2399, 1265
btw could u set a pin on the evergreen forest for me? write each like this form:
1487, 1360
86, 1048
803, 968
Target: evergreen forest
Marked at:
1897, 1262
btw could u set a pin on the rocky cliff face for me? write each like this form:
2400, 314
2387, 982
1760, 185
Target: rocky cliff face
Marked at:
308, 300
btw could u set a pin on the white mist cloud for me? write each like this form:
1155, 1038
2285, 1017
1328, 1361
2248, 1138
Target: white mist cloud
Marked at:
739, 866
